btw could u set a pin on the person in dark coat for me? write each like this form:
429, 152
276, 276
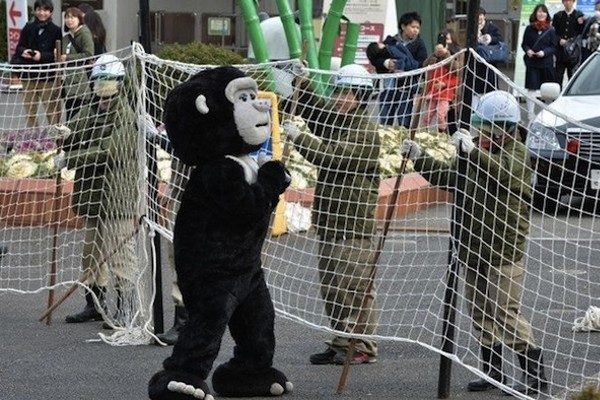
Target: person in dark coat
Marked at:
36, 46
568, 23
396, 103
539, 44
485, 79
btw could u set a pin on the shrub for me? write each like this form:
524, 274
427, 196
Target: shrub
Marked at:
200, 53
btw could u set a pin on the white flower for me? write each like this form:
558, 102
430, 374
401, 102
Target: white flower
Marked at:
16, 158
21, 169
67, 174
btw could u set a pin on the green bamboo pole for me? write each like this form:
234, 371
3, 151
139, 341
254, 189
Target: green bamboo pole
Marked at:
331, 28
350, 43
308, 33
255, 34
308, 42
289, 27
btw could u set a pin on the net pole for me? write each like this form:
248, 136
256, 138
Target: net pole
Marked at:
157, 304
55, 213
391, 208
86, 274
449, 308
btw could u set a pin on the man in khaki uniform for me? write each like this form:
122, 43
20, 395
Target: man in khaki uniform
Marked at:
493, 234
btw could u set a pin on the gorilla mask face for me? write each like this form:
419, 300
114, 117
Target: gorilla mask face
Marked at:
250, 114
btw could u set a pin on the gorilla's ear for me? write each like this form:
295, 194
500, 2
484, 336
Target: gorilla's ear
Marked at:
201, 104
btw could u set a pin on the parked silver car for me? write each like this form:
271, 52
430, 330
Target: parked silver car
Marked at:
564, 139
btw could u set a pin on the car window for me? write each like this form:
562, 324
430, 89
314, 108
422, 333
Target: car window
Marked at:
587, 80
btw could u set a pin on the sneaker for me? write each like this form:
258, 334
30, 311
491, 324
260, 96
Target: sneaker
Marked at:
359, 358
324, 358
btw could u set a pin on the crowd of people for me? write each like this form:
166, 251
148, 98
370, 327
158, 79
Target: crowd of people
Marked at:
84, 38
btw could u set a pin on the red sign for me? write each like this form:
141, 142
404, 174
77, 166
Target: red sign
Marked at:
13, 14
368, 33
16, 18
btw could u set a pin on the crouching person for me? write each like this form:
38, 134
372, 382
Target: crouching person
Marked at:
493, 233
101, 148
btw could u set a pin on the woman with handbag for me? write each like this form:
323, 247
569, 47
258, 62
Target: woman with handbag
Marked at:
36, 47
78, 48
539, 44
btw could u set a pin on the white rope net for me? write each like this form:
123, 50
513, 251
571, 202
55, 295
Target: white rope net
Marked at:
561, 285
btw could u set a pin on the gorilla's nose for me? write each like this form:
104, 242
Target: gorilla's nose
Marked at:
261, 105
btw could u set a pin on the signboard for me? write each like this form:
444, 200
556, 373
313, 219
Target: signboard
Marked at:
378, 19
368, 33
16, 18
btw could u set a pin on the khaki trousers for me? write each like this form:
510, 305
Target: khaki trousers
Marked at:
493, 296
45, 92
345, 268
109, 248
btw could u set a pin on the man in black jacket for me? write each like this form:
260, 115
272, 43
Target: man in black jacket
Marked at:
36, 46
567, 23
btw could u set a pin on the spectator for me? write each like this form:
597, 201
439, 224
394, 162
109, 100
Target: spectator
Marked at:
94, 22
346, 155
539, 44
491, 244
591, 33
387, 59
102, 151
485, 79
37, 46
567, 23
441, 82
78, 48
396, 102
85, 8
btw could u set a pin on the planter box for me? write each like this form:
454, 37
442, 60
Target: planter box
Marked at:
31, 202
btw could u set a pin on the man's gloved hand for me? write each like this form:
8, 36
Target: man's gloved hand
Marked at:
58, 131
291, 130
410, 150
463, 140
59, 161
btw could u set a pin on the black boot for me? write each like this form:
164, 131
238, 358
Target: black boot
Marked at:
491, 360
119, 317
89, 313
533, 379
170, 337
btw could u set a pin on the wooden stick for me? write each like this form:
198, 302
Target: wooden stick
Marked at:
86, 274
56, 225
361, 314
55, 212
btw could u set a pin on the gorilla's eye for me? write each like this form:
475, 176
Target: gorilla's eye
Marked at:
252, 96
244, 97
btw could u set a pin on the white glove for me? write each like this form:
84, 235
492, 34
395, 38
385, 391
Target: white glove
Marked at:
410, 150
291, 130
463, 140
59, 161
58, 131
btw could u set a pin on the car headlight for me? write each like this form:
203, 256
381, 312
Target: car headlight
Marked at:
541, 137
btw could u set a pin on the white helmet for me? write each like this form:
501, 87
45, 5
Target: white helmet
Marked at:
497, 107
107, 66
353, 76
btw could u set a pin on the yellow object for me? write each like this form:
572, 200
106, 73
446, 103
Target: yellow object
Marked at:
278, 222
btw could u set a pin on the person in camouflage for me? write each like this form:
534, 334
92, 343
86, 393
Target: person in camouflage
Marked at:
492, 235
343, 143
